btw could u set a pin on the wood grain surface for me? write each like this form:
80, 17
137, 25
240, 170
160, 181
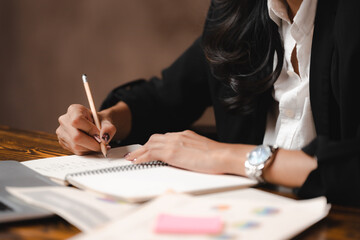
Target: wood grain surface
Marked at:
23, 145
342, 223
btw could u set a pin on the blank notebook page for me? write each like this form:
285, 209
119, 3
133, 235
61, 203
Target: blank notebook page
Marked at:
143, 184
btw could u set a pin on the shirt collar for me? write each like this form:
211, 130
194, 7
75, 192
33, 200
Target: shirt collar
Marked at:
304, 18
278, 11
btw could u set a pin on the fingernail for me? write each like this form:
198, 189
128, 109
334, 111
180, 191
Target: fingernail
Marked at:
106, 137
127, 157
97, 138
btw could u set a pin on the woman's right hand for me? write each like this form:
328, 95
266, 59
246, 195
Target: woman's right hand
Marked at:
78, 133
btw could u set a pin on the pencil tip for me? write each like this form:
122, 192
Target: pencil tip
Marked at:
84, 78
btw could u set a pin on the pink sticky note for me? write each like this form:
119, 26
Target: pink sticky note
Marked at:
188, 225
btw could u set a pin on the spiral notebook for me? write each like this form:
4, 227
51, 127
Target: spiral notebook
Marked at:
120, 179
138, 183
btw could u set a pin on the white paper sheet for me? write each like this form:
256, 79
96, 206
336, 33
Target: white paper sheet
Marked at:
244, 219
84, 210
58, 167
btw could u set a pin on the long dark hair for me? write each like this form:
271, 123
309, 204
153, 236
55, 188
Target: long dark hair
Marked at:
239, 42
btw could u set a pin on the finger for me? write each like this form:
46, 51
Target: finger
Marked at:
168, 147
133, 155
83, 123
159, 142
77, 141
82, 141
77, 150
71, 134
63, 144
164, 146
79, 109
142, 157
153, 154
189, 139
61, 135
155, 141
80, 117
107, 132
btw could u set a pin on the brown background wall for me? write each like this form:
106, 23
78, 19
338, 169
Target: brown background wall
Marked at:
46, 45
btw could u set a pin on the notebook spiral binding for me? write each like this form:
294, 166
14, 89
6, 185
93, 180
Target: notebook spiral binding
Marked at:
119, 169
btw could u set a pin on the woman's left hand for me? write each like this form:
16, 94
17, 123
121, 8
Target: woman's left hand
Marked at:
187, 150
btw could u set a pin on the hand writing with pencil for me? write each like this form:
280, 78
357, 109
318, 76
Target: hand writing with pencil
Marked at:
78, 133
84, 130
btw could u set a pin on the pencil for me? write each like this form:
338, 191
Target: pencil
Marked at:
93, 110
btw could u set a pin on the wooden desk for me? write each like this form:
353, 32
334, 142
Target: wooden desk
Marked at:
341, 223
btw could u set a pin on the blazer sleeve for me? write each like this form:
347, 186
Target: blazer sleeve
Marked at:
170, 103
338, 173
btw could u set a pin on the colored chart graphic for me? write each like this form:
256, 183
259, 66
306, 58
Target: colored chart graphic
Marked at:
265, 211
246, 225
226, 236
222, 207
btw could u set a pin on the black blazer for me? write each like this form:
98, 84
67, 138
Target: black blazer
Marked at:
187, 88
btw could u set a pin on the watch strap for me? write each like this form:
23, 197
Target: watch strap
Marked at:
256, 171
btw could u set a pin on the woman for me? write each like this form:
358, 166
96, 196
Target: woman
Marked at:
278, 73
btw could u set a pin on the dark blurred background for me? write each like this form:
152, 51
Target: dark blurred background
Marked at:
45, 46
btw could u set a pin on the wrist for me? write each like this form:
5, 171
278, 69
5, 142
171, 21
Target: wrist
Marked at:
233, 157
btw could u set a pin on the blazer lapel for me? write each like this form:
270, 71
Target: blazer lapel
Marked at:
320, 66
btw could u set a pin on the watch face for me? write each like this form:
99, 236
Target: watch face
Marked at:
259, 155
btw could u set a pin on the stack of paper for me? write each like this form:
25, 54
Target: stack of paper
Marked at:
168, 217
83, 209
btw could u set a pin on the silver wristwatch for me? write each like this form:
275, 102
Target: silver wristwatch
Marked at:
257, 159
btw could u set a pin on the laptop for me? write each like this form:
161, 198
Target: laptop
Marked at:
15, 174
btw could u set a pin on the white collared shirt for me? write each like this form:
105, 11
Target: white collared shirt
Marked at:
290, 125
